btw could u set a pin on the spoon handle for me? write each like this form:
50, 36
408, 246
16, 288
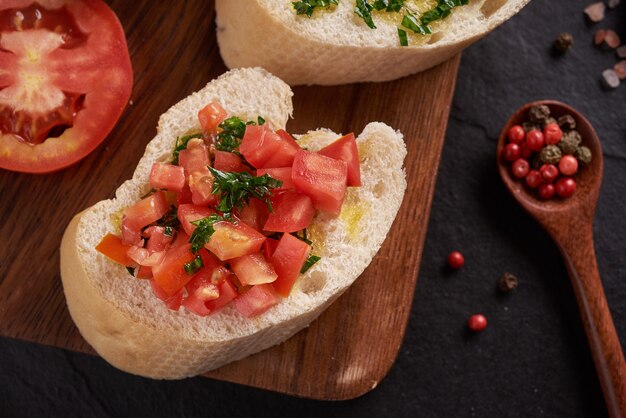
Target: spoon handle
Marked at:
580, 258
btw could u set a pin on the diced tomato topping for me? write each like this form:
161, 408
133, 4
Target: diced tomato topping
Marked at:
131, 235
291, 212
256, 300
146, 211
171, 301
253, 269
254, 214
234, 240
288, 259
263, 148
158, 240
282, 173
143, 272
228, 292
182, 238
195, 159
322, 178
229, 162
114, 249
188, 213
210, 116
345, 149
167, 176
201, 186
170, 274
184, 196
199, 290
269, 246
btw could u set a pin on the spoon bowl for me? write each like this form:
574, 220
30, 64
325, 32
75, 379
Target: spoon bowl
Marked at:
569, 221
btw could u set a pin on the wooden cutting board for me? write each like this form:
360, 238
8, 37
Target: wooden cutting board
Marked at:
351, 347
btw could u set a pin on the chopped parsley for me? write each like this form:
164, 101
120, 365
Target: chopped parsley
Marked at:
388, 5
410, 22
194, 265
364, 10
403, 38
442, 10
235, 189
307, 7
204, 230
232, 131
169, 221
181, 144
312, 259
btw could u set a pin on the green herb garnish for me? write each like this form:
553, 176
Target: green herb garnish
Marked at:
169, 231
260, 120
194, 265
307, 7
404, 41
312, 259
442, 10
364, 10
181, 144
410, 22
388, 5
303, 237
231, 135
204, 230
235, 189
169, 220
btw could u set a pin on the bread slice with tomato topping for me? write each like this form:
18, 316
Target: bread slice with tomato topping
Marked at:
133, 330
347, 41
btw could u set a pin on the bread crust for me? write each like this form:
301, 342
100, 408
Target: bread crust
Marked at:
133, 330
268, 34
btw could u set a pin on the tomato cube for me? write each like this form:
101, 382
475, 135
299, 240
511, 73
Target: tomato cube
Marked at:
170, 274
291, 212
210, 116
254, 214
288, 259
263, 148
253, 269
282, 173
146, 211
167, 176
114, 249
188, 213
201, 186
345, 149
158, 240
228, 292
195, 159
256, 300
234, 240
171, 301
322, 178
269, 246
229, 162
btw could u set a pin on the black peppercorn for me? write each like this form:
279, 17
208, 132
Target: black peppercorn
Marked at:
550, 154
563, 42
583, 154
529, 126
538, 114
567, 123
507, 282
570, 141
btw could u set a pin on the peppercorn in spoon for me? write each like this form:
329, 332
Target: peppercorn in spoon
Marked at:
569, 222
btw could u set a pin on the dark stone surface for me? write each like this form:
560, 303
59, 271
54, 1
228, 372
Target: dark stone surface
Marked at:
533, 358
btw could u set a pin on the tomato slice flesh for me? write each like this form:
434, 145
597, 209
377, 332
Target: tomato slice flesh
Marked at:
253, 269
256, 300
288, 259
292, 212
170, 274
345, 149
234, 240
281, 173
114, 249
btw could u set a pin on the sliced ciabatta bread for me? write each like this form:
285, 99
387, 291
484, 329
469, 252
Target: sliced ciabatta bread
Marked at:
133, 330
335, 46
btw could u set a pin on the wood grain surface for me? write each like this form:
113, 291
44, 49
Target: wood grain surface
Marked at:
350, 348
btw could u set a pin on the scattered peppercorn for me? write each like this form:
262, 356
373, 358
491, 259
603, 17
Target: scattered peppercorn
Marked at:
538, 114
610, 80
567, 122
477, 323
595, 12
563, 42
611, 39
548, 121
583, 154
456, 260
570, 141
529, 126
599, 36
507, 282
620, 69
550, 154
621, 51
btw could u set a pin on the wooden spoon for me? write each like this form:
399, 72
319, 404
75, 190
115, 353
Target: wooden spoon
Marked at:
569, 223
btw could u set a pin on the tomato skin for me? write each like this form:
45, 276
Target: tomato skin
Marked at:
254, 214
188, 213
199, 290
195, 159
263, 148
171, 301
288, 259
184, 196
228, 162
100, 68
281, 173
170, 274
167, 176
114, 249
269, 246
256, 300
157, 239
345, 149
234, 240
228, 292
147, 210
322, 178
253, 269
292, 211
201, 186
143, 272
210, 116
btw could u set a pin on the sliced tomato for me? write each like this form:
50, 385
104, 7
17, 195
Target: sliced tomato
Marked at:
253, 269
170, 274
282, 173
188, 213
210, 116
322, 178
114, 249
171, 301
234, 240
263, 148
256, 300
291, 211
254, 214
167, 176
228, 292
147, 210
195, 159
65, 78
229, 162
199, 290
269, 246
345, 149
288, 259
